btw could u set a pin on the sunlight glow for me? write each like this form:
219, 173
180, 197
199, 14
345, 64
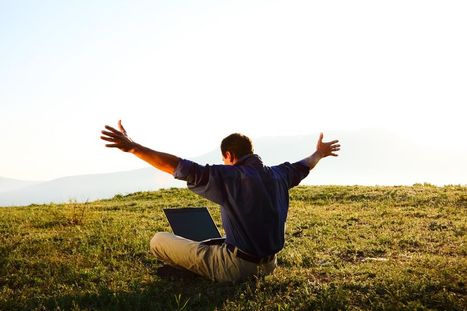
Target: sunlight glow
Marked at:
183, 75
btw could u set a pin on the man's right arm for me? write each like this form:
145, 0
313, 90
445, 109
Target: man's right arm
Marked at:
203, 180
160, 160
119, 139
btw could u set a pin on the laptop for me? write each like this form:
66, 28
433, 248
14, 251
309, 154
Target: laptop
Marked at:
194, 223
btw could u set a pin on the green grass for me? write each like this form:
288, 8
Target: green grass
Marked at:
347, 247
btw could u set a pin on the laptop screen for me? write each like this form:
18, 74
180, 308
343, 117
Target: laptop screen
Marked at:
194, 223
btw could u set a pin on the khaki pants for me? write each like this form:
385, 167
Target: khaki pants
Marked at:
214, 262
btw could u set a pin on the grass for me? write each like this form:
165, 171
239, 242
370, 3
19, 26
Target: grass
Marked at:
347, 247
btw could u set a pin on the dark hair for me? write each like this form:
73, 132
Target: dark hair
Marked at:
237, 144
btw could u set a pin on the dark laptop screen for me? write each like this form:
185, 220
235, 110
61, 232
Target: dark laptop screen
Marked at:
194, 223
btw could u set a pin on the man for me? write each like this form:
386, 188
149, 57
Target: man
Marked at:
254, 203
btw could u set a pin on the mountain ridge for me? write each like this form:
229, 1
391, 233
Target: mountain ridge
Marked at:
10, 184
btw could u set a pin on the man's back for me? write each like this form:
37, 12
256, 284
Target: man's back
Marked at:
254, 199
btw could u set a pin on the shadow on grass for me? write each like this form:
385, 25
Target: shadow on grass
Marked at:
188, 292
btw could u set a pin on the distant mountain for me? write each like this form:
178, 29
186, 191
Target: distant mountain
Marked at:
83, 188
368, 157
10, 184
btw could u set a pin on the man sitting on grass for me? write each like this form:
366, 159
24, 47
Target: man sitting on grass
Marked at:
254, 201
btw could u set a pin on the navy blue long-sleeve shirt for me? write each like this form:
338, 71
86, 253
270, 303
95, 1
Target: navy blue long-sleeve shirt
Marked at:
254, 198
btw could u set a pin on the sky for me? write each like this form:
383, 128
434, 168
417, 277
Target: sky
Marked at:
184, 74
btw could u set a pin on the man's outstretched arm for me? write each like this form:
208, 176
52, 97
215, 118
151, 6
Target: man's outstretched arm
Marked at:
119, 139
323, 149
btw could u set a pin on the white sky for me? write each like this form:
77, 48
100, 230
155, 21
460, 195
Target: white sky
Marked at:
184, 74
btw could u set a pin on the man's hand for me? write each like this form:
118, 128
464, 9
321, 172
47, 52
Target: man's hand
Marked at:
327, 149
118, 138
322, 150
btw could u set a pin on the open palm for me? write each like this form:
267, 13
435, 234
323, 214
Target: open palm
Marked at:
325, 149
118, 138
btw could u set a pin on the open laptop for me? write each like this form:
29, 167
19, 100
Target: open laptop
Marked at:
194, 223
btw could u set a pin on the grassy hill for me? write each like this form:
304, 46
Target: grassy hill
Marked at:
347, 247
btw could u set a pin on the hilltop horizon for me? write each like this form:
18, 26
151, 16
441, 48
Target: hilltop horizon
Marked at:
368, 157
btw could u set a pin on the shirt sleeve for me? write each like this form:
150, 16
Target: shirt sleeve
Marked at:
203, 180
293, 173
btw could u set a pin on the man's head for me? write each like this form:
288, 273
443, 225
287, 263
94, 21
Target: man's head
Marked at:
234, 147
